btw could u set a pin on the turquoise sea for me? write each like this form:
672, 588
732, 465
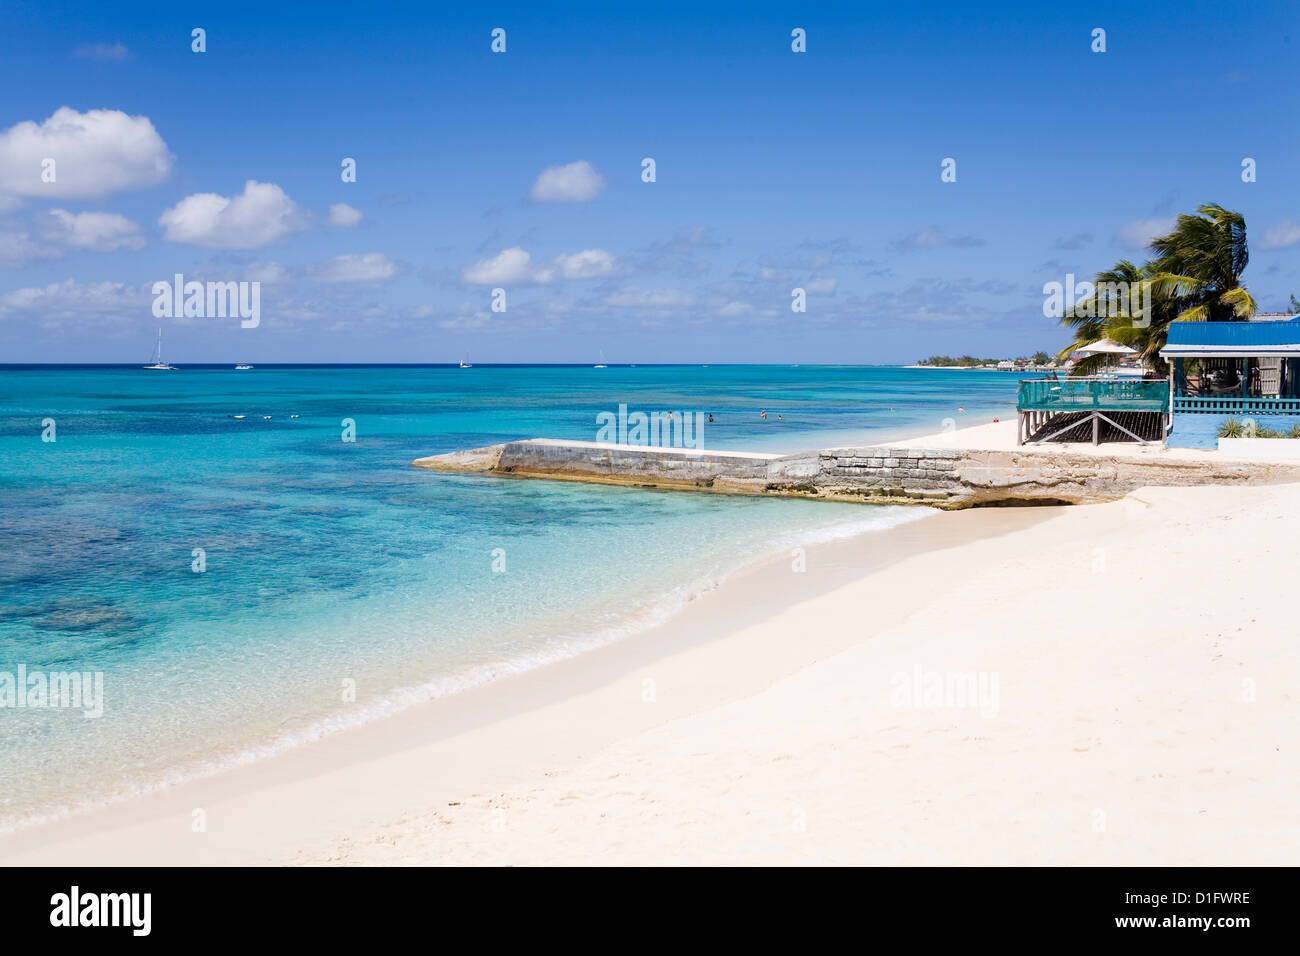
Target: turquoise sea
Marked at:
233, 579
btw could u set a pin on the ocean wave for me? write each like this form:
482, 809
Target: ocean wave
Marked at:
551, 649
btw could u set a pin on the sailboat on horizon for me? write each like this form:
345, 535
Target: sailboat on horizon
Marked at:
464, 363
158, 363
602, 360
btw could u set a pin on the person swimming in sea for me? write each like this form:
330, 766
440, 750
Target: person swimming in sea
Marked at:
763, 414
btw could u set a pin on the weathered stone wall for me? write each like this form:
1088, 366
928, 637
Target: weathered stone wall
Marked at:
627, 464
926, 475
944, 478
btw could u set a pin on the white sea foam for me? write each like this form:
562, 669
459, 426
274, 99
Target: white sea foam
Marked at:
550, 649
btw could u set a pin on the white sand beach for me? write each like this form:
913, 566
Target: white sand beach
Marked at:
1136, 703
1001, 436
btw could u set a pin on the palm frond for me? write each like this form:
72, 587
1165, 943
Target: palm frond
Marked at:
1241, 301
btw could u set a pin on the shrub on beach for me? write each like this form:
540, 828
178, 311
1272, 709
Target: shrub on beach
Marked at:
1232, 428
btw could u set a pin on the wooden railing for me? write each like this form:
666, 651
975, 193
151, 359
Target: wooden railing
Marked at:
1093, 394
1235, 405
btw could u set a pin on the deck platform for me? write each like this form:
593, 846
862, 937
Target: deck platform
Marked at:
1113, 409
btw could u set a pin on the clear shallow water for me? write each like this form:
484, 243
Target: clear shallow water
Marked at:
330, 562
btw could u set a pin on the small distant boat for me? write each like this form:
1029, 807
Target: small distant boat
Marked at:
464, 363
602, 361
158, 363
242, 368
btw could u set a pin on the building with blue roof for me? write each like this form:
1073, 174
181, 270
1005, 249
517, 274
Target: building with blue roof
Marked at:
1235, 368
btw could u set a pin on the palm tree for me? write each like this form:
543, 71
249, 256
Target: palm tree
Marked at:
1149, 335
1115, 311
1199, 265
1196, 276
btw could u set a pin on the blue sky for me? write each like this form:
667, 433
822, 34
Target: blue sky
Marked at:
775, 170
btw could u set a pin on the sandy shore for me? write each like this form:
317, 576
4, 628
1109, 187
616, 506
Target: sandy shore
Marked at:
1136, 688
1001, 436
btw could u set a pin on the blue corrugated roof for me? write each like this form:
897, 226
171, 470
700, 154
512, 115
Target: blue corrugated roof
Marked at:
1233, 337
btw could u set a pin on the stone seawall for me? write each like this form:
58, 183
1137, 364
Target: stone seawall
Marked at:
743, 472
948, 478
927, 475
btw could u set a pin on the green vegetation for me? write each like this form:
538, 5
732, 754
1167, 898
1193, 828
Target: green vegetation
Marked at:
970, 361
1232, 428
947, 361
1195, 276
1295, 306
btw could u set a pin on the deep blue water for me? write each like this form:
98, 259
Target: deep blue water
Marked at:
330, 564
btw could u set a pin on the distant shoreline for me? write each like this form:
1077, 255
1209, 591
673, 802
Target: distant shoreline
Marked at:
984, 368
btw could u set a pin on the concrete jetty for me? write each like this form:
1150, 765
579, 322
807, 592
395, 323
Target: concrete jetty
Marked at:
949, 478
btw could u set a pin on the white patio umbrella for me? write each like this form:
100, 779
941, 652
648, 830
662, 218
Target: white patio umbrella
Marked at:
1108, 347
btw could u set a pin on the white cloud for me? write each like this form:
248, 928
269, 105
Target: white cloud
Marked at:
467, 321
363, 267
509, 267
17, 247
821, 286
106, 52
266, 272
649, 299
52, 233
95, 231
1138, 234
576, 182
261, 215
925, 239
1285, 234
679, 254
935, 238
588, 264
95, 153
72, 300
341, 214
515, 266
